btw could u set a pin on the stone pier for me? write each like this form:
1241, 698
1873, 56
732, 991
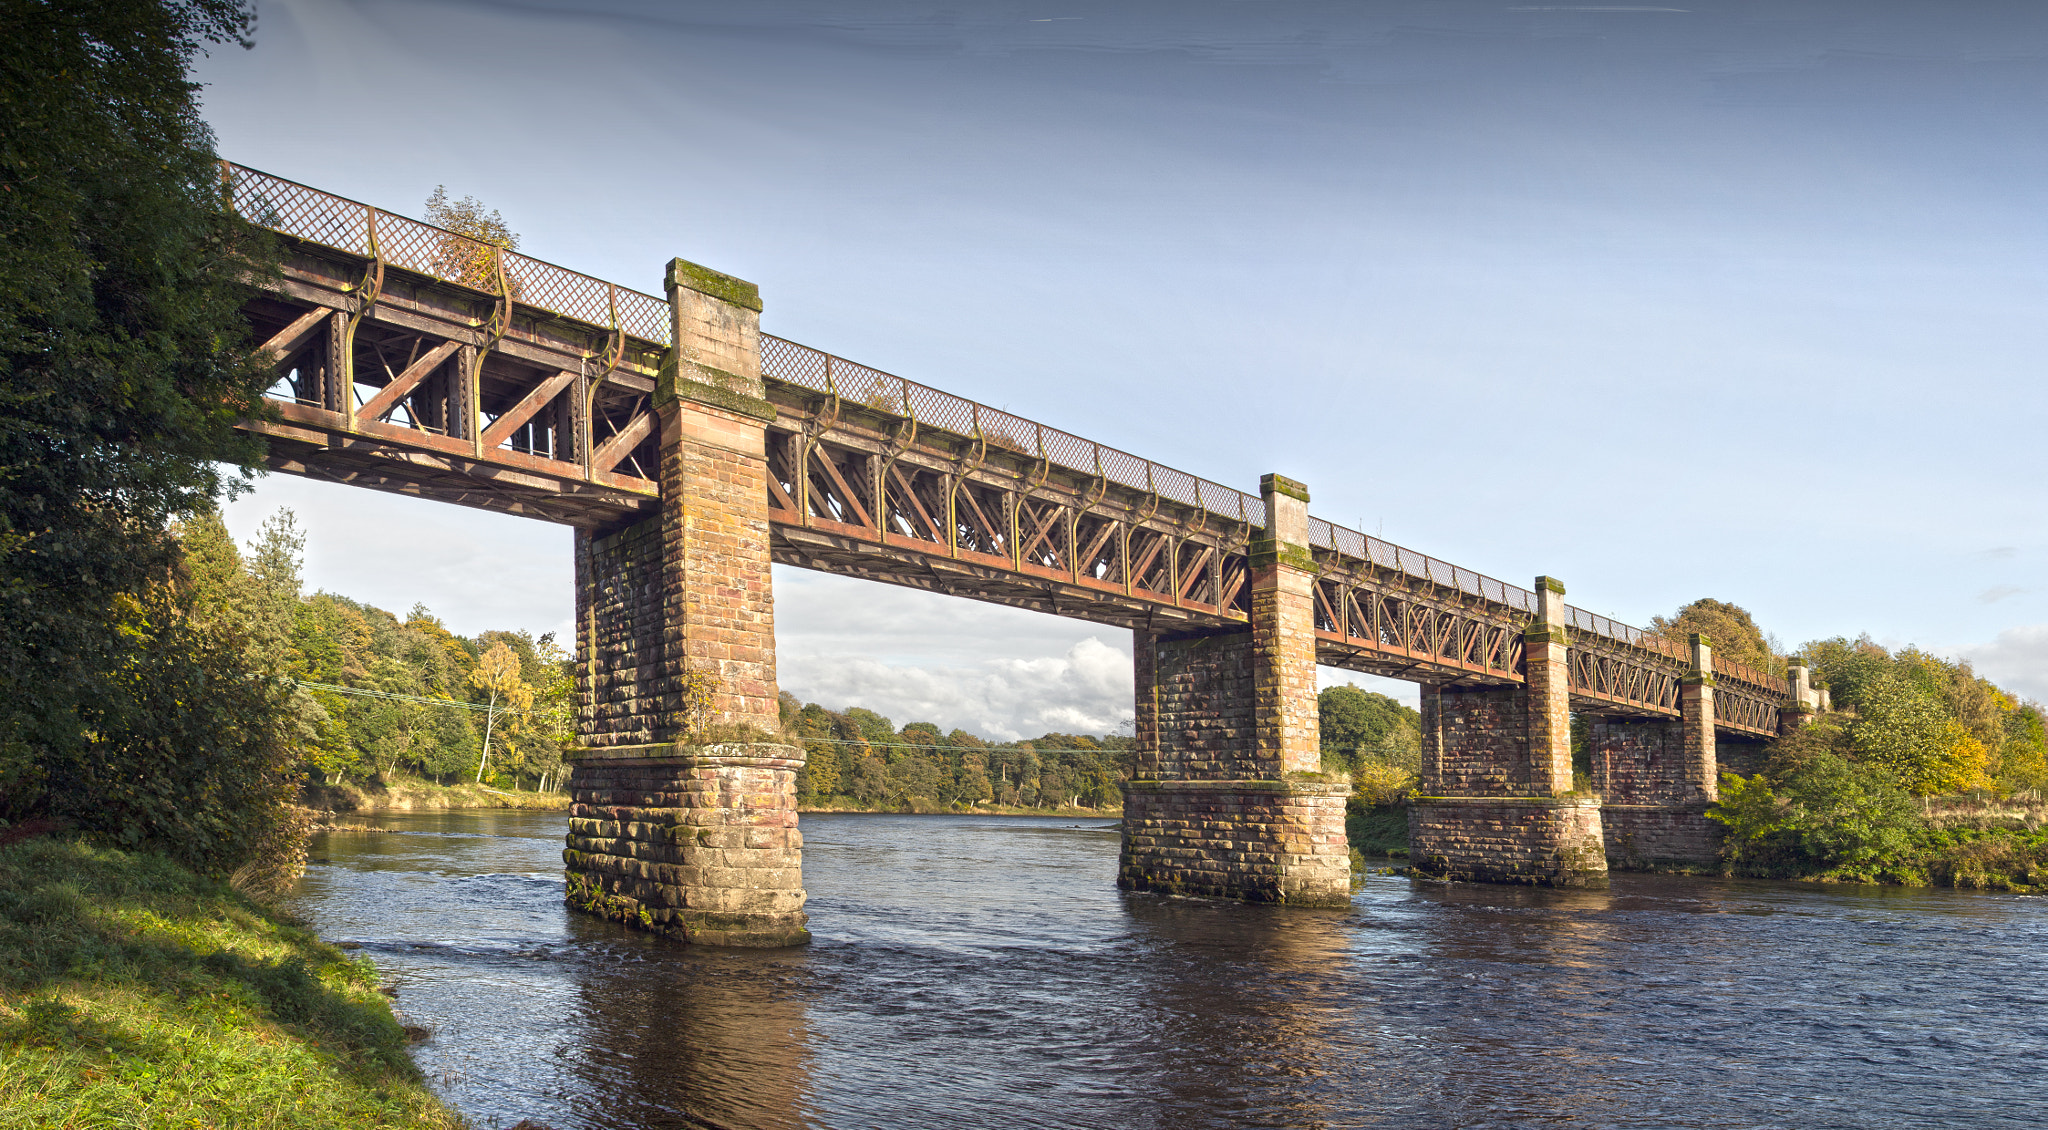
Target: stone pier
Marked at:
1497, 803
1227, 798
1657, 777
684, 815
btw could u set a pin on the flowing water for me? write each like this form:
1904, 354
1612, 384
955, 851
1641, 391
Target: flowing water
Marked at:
986, 972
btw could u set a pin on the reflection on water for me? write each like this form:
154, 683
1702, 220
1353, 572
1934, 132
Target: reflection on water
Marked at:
984, 971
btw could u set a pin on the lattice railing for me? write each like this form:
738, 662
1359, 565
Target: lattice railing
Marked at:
851, 381
1772, 686
1421, 566
359, 229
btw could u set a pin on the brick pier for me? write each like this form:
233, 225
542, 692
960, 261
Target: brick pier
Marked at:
684, 815
1227, 799
1497, 803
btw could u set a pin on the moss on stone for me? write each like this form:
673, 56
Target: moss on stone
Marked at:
1281, 484
717, 284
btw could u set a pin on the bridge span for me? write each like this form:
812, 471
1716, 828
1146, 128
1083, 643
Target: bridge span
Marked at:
689, 450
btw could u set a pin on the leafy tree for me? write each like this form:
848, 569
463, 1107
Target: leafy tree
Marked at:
816, 727
123, 368
470, 254
2023, 754
974, 786
870, 780
194, 756
871, 727
1730, 627
554, 709
498, 675
1361, 726
1846, 667
1905, 729
1827, 812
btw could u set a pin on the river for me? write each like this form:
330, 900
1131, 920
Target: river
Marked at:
986, 972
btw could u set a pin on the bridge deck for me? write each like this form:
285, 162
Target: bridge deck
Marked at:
416, 361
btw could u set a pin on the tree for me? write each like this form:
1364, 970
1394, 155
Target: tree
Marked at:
123, 367
1731, 630
1906, 730
554, 707
497, 674
814, 726
2023, 755
470, 254
1846, 667
1359, 725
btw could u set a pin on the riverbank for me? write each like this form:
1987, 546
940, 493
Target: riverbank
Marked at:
135, 993
1956, 842
424, 796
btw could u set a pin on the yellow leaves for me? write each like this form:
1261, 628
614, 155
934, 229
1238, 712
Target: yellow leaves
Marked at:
1377, 783
498, 674
1962, 763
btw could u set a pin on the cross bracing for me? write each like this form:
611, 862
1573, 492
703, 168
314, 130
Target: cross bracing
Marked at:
414, 360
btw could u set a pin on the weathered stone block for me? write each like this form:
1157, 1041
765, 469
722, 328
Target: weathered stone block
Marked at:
1544, 841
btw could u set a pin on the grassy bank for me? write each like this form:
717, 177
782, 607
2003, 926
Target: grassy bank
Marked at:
134, 993
423, 796
1377, 829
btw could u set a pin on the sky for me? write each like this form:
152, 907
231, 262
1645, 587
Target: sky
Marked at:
1740, 300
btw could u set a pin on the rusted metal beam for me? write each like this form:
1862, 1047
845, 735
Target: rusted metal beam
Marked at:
527, 408
388, 397
613, 451
286, 341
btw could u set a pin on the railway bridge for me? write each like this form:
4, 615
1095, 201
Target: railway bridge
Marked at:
689, 451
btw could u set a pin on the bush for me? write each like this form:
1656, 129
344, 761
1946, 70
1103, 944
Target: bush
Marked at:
1826, 814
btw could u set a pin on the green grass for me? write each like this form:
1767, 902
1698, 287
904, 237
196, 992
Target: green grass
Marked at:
1377, 830
136, 994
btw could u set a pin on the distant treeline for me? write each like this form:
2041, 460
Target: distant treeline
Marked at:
856, 757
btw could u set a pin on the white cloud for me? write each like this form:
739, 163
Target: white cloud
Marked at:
1996, 593
1086, 690
2016, 660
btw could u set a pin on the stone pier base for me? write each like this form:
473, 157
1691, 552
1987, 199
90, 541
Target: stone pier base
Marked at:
1543, 841
696, 842
1260, 841
1643, 837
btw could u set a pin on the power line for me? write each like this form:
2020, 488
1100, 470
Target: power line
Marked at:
389, 696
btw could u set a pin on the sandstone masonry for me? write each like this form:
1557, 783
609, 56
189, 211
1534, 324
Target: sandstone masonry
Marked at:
684, 814
1226, 801
1497, 803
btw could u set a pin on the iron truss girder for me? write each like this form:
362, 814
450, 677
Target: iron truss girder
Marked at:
1381, 621
828, 552
405, 384
1031, 535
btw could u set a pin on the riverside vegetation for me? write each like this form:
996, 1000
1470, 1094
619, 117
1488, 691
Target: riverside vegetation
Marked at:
149, 754
1925, 774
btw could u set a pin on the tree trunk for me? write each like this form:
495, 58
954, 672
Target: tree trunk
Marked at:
490, 720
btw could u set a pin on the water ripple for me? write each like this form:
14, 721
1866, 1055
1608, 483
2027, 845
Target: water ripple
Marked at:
985, 972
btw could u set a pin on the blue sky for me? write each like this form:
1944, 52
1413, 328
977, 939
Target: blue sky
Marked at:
1738, 300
